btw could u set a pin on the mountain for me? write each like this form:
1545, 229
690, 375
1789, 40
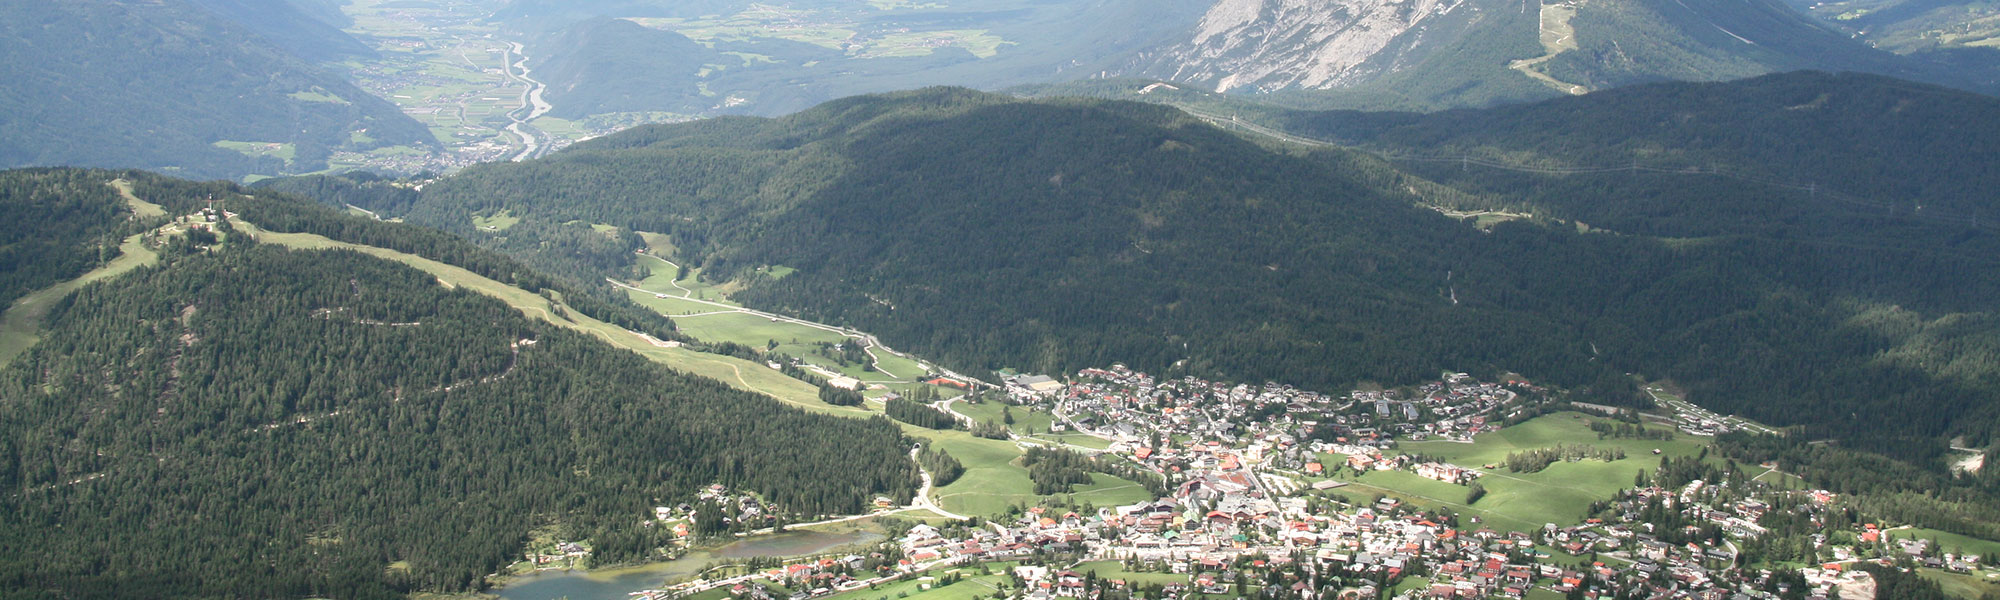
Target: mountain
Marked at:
606, 65
731, 57
1425, 55
986, 232
1852, 135
170, 86
314, 36
247, 420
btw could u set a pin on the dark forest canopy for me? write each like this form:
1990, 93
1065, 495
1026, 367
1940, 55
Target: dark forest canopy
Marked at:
1053, 235
355, 415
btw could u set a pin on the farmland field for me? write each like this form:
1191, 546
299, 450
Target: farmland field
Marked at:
1523, 501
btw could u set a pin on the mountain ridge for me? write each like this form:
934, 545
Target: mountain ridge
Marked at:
956, 207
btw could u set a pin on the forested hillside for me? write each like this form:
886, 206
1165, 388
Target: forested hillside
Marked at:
306, 28
172, 87
54, 225
613, 65
1901, 148
987, 232
374, 432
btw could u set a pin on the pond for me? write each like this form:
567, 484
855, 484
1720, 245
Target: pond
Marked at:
618, 584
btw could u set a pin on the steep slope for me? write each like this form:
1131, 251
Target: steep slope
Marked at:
988, 232
609, 65
246, 420
169, 86
1896, 147
1420, 54
288, 25
1261, 45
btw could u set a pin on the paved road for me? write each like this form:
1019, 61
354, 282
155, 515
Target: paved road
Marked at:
923, 499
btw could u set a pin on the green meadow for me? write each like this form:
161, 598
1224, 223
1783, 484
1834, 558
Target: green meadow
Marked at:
1522, 501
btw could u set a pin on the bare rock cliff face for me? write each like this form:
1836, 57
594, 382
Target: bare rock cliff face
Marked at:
1266, 45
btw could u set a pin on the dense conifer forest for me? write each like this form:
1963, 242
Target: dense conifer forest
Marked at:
248, 421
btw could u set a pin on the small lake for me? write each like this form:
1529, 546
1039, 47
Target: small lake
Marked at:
618, 584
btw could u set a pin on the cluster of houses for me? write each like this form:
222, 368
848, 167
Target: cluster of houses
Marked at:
562, 555
1277, 424
1229, 452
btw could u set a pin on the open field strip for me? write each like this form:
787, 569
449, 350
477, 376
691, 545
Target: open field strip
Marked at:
21, 324
704, 312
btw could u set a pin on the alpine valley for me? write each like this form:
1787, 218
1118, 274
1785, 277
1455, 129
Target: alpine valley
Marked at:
1008, 299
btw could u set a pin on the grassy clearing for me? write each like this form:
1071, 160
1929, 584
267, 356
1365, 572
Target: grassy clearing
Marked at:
658, 244
661, 280
752, 330
1111, 569
317, 95
994, 481
711, 323
21, 325
1951, 542
1959, 585
499, 221
1523, 501
141, 209
281, 151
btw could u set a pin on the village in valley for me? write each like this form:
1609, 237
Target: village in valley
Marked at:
1457, 488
